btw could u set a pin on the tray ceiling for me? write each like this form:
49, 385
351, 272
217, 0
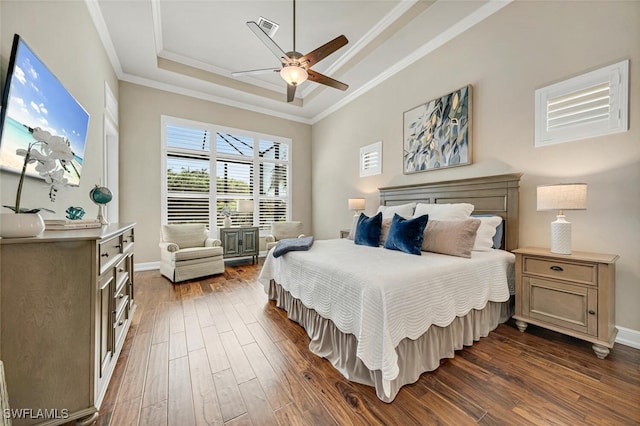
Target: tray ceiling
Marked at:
192, 47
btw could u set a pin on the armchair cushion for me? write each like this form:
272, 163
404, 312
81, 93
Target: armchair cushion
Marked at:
185, 235
197, 253
282, 230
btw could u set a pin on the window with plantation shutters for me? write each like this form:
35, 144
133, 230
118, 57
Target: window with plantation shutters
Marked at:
589, 105
371, 159
210, 171
274, 182
188, 174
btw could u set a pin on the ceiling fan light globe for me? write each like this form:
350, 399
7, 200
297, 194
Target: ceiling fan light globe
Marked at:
294, 75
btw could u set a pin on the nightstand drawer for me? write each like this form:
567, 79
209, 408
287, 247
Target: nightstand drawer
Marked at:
568, 271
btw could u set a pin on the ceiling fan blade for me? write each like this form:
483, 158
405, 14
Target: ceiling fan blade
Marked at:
291, 92
327, 81
323, 51
264, 38
254, 72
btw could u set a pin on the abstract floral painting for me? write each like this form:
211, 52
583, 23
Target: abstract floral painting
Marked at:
438, 134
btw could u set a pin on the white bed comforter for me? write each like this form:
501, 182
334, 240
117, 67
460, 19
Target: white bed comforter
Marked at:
383, 296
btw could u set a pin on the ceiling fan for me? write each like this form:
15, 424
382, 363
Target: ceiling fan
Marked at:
296, 68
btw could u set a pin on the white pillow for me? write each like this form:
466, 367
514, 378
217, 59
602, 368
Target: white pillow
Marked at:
352, 231
486, 231
404, 210
457, 211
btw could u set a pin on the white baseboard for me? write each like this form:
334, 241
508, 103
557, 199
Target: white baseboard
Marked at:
149, 266
628, 337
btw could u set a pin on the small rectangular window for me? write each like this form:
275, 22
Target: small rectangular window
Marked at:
589, 105
371, 159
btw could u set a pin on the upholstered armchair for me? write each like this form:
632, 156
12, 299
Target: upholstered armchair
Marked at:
187, 252
282, 230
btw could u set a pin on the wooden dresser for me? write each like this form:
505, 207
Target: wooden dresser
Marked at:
572, 294
66, 303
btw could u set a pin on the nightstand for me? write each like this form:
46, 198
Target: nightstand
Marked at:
344, 233
572, 294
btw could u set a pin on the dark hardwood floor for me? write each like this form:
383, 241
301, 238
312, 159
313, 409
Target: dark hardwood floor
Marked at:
215, 351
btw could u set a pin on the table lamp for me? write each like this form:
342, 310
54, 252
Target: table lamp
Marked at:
244, 206
357, 205
565, 196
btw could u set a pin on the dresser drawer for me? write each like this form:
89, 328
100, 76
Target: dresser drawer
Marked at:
127, 239
120, 324
581, 273
119, 298
108, 252
122, 273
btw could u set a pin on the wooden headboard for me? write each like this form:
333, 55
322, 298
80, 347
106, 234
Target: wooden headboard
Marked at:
489, 194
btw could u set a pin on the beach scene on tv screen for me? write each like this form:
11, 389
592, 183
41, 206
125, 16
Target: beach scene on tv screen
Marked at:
38, 99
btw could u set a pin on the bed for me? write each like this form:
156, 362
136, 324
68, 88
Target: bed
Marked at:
384, 317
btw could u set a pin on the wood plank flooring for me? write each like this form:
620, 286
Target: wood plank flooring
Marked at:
215, 351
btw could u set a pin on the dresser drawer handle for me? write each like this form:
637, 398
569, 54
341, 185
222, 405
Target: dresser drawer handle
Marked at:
120, 323
105, 255
592, 312
556, 268
121, 270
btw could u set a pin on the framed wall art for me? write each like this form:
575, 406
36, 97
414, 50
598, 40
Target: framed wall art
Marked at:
437, 134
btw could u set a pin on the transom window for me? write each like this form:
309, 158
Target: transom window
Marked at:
586, 106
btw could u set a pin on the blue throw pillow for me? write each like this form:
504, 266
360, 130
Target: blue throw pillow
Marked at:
368, 230
497, 238
406, 234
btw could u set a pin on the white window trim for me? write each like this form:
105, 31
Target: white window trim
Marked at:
372, 149
213, 129
617, 77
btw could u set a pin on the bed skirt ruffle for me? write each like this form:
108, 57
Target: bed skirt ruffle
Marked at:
414, 356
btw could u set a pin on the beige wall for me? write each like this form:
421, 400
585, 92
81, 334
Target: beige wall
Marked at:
63, 36
524, 46
140, 155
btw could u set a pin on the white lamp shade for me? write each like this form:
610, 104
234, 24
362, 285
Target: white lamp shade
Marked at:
294, 75
356, 203
566, 196
245, 206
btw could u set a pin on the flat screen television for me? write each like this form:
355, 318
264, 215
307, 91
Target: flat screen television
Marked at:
34, 97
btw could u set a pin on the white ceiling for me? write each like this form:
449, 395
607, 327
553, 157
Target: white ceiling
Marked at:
193, 46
